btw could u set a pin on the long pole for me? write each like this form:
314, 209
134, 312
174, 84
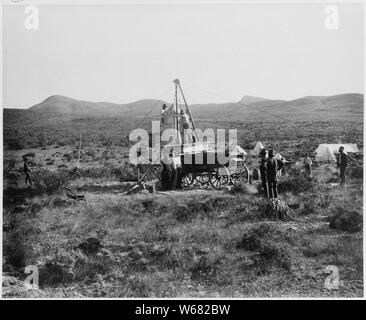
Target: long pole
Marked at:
186, 104
176, 81
79, 151
176, 105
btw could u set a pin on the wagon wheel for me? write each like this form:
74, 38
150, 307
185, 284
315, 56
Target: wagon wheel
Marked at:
241, 174
219, 177
187, 179
203, 179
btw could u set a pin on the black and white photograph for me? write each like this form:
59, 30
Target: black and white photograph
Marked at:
181, 150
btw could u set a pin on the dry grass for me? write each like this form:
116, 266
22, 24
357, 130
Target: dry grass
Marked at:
178, 245
185, 244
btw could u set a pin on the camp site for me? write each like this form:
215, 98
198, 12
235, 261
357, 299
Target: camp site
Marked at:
113, 229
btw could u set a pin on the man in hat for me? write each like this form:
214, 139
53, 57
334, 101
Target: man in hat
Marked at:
163, 113
342, 165
27, 171
307, 165
272, 175
263, 170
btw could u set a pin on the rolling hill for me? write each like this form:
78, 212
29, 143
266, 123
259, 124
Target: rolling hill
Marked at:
343, 106
68, 106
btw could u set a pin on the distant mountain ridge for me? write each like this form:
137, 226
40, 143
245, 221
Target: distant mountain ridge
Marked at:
349, 105
250, 99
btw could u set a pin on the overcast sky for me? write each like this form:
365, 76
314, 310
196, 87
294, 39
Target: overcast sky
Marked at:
220, 52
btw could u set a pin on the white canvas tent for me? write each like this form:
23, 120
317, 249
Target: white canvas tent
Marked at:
279, 157
348, 147
325, 152
258, 147
238, 150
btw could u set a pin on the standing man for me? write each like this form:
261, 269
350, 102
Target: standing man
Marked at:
163, 114
272, 175
342, 165
307, 165
263, 170
167, 174
27, 171
185, 128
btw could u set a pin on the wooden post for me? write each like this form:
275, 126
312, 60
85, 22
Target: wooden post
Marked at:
45, 143
79, 151
176, 81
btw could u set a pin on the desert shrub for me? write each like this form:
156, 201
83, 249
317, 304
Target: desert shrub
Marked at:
150, 204
249, 210
68, 157
205, 267
85, 269
116, 171
249, 241
90, 152
333, 179
16, 249
309, 208
198, 207
210, 204
244, 188
53, 273
108, 170
9, 165
296, 184
90, 267
137, 286
155, 232
128, 173
346, 219
182, 213
309, 205
14, 144
34, 163
355, 172
278, 209
325, 200
17, 242
47, 181
318, 246
269, 253
94, 172
59, 202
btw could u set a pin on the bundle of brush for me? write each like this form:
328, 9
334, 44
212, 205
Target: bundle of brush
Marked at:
278, 209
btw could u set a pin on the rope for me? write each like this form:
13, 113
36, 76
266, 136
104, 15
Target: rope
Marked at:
153, 107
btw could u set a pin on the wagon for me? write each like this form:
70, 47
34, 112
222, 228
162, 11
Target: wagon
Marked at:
202, 172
